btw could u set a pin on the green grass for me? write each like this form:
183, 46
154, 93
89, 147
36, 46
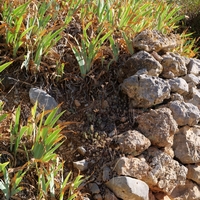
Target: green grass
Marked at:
32, 30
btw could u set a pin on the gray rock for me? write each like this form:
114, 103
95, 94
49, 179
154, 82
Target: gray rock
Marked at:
187, 144
146, 91
128, 188
94, 188
45, 101
178, 85
165, 172
194, 67
153, 40
158, 126
194, 172
173, 66
189, 191
81, 165
141, 62
184, 113
132, 142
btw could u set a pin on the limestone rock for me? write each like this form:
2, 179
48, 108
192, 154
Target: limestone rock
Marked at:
167, 172
128, 188
132, 142
194, 67
153, 40
146, 91
173, 66
140, 61
158, 126
178, 85
184, 113
133, 167
45, 101
187, 144
194, 172
186, 192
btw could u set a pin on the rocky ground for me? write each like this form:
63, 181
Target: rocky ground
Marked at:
137, 129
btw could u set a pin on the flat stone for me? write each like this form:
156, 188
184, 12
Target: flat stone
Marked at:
132, 142
45, 101
184, 113
158, 126
146, 91
187, 144
128, 188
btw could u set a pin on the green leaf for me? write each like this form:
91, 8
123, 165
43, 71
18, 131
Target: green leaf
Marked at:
5, 65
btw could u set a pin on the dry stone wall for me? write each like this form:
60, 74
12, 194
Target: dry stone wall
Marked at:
162, 156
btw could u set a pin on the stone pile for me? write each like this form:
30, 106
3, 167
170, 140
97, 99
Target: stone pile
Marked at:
162, 156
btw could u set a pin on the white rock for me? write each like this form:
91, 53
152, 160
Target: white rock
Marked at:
128, 188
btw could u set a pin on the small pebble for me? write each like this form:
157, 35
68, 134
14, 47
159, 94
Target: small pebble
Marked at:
81, 150
94, 188
77, 103
81, 165
106, 173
